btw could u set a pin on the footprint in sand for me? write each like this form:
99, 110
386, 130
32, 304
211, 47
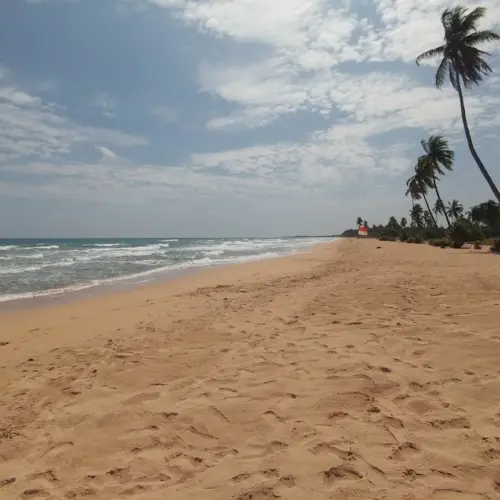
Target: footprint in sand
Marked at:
80, 493
135, 490
244, 476
47, 475
404, 451
34, 493
273, 417
288, 481
451, 423
341, 473
328, 448
452, 494
262, 493
141, 398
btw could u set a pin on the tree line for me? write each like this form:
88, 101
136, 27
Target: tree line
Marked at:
465, 65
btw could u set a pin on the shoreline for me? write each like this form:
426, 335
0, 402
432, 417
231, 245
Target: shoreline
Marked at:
361, 369
51, 298
35, 319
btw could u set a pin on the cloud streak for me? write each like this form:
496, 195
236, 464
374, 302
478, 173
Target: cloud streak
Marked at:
32, 128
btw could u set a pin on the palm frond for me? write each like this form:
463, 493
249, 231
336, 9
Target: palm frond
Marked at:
430, 54
452, 73
447, 22
454, 22
461, 59
480, 37
441, 72
470, 21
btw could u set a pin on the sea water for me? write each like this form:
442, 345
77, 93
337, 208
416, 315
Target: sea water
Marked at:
43, 267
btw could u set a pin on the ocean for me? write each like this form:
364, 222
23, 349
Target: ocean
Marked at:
45, 267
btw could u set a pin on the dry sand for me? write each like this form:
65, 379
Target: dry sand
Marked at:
351, 372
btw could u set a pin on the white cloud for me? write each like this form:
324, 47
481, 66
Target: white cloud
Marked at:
107, 105
306, 41
31, 128
293, 56
107, 153
320, 165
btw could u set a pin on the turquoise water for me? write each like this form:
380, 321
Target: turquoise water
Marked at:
38, 267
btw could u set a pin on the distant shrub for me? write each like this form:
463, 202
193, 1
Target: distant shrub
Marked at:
403, 236
414, 239
469, 231
442, 243
388, 235
459, 234
477, 245
431, 234
495, 246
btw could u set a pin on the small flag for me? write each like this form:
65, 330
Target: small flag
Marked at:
362, 231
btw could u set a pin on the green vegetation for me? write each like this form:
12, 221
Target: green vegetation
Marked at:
442, 242
477, 226
464, 64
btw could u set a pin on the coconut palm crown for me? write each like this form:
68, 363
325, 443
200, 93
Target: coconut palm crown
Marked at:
463, 62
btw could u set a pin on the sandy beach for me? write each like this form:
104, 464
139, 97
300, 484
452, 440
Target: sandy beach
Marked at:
361, 370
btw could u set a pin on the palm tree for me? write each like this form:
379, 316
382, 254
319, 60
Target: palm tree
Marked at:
359, 222
439, 209
365, 224
403, 223
416, 214
393, 223
417, 189
427, 216
455, 210
487, 214
463, 61
438, 157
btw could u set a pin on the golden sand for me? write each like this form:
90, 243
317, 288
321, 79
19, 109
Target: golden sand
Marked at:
362, 370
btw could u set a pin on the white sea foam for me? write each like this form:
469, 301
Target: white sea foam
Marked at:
213, 253
19, 270
48, 293
44, 247
104, 245
8, 247
35, 256
152, 259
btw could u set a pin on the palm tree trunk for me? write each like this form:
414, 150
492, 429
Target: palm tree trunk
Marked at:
429, 209
441, 202
482, 168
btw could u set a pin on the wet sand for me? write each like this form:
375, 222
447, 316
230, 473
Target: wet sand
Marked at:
361, 370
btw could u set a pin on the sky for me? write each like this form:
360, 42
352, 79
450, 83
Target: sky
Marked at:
217, 118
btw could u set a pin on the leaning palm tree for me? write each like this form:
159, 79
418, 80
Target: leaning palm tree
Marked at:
455, 210
440, 209
416, 215
463, 62
417, 189
427, 216
437, 159
359, 222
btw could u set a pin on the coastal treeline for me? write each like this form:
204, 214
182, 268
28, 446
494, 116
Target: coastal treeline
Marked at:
433, 216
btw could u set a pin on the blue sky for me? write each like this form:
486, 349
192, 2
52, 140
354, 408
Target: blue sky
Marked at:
225, 117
